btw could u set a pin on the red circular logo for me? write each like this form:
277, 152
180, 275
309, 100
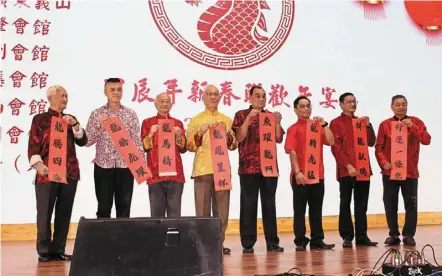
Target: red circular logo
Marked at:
231, 31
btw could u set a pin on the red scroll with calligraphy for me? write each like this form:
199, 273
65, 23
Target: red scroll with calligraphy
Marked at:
58, 151
166, 148
220, 158
128, 150
312, 152
399, 142
361, 149
267, 144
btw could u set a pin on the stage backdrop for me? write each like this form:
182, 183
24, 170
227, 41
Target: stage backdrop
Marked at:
316, 48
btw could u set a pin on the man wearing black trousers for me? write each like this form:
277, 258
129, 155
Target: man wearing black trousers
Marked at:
50, 193
344, 152
252, 181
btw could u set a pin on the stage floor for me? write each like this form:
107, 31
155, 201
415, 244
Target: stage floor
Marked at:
19, 258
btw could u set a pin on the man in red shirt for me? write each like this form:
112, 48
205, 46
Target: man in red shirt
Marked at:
252, 181
304, 193
344, 152
164, 191
417, 134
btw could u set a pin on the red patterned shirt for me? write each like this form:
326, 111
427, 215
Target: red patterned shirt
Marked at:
38, 146
249, 149
151, 146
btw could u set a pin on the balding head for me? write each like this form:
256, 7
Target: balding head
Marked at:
163, 103
211, 97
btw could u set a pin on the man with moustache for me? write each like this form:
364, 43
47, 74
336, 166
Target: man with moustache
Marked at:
417, 134
112, 177
252, 181
311, 192
198, 141
50, 193
164, 191
344, 152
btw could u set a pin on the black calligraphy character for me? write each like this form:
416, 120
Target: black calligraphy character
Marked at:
313, 143
267, 137
311, 175
166, 144
56, 177
132, 158
140, 171
217, 134
268, 154
123, 142
57, 161
399, 139
267, 121
58, 144
358, 125
314, 128
220, 167
399, 127
222, 183
312, 159
361, 156
269, 169
167, 161
59, 127
166, 127
398, 176
219, 150
114, 127
399, 164
363, 171
361, 141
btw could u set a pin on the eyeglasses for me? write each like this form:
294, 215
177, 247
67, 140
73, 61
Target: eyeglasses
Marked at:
350, 102
212, 94
309, 106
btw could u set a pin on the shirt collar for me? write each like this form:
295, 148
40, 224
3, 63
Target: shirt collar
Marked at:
302, 121
397, 119
346, 116
159, 116
55, 113
216, 112
263, 110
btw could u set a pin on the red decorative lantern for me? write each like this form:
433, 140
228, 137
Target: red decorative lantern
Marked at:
428, 16
374, 9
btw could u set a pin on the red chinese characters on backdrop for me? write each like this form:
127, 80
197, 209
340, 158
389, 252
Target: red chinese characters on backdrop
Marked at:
3, 3
2, 80
20, 25
17, 77
3, 23
21, 3
303, 91
277, 95
14, 133
41, 27
328, 93
227, 94
39, 80
40, 53
141, 92
247, 91
42, 5
172, 89
18, 51
63, 5
4, 51
196, 92
37, 107
15, 105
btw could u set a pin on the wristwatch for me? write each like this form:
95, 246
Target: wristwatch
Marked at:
324, 125
77, 123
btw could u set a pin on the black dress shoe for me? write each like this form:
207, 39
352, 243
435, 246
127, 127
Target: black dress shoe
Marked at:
303, 245
347, 243
43, 258
322, 246
61, 257
248, 250
275, 248
366, 242
226, 251
409, 241
392, 240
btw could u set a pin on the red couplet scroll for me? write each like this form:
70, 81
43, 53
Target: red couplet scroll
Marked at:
128, 150
361, 149
267, 144
399, 142
220, 158
58, 151
166, 148
312, 152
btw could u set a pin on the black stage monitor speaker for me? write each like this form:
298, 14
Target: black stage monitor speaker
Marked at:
148, 246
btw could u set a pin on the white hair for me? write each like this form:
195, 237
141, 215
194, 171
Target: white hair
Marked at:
52, 90
208, 87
